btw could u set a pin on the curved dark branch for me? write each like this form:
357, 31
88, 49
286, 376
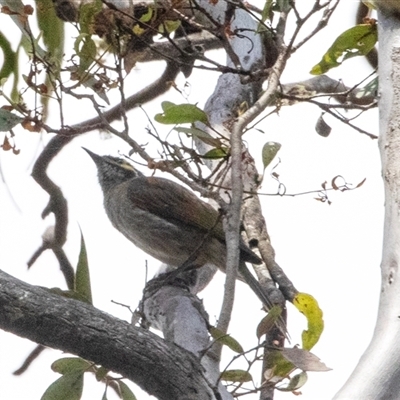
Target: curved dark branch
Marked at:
57, 203
160, 368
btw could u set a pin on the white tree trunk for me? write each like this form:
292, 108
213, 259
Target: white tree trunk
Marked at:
377, 375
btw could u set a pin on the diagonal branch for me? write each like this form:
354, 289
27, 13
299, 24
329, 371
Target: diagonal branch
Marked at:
78, 328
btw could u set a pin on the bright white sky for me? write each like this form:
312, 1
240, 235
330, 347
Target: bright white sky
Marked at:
332, 252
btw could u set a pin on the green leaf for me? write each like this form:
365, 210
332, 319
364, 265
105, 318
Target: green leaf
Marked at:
266, 12
215, 154
22, 22
10, 61
269, 151
356, 41
370, 89
201, 135
236, 375
68, 387
180, 114
52, 28
126, 393
277, 365
166, 105
169, 26
67, 365
8, 120
101, 373
11, 65
85, 48
295, 383
308, 306
87, 12
82, 278
147, 16
268, 321
226, 340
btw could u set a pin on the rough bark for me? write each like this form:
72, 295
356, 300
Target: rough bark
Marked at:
157, 366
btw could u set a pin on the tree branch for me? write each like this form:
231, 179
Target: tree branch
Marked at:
57, 203
159, 367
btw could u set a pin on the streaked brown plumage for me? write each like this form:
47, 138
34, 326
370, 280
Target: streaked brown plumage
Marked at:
166, 220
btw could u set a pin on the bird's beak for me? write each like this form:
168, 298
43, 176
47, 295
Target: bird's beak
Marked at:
95, 157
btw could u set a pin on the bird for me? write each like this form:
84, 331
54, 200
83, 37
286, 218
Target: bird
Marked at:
168, 221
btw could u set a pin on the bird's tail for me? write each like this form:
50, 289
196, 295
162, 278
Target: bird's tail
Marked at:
261, 294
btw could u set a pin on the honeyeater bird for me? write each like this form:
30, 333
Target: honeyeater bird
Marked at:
167, 221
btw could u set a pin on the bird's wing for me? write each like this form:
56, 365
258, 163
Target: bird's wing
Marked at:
174, 203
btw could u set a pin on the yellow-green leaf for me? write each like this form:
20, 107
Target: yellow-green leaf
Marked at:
68, 387
226, 339
236, 375
215, 154
138, 30
356, 41
308, 306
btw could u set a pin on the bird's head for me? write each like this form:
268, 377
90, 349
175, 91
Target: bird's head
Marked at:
113, 170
